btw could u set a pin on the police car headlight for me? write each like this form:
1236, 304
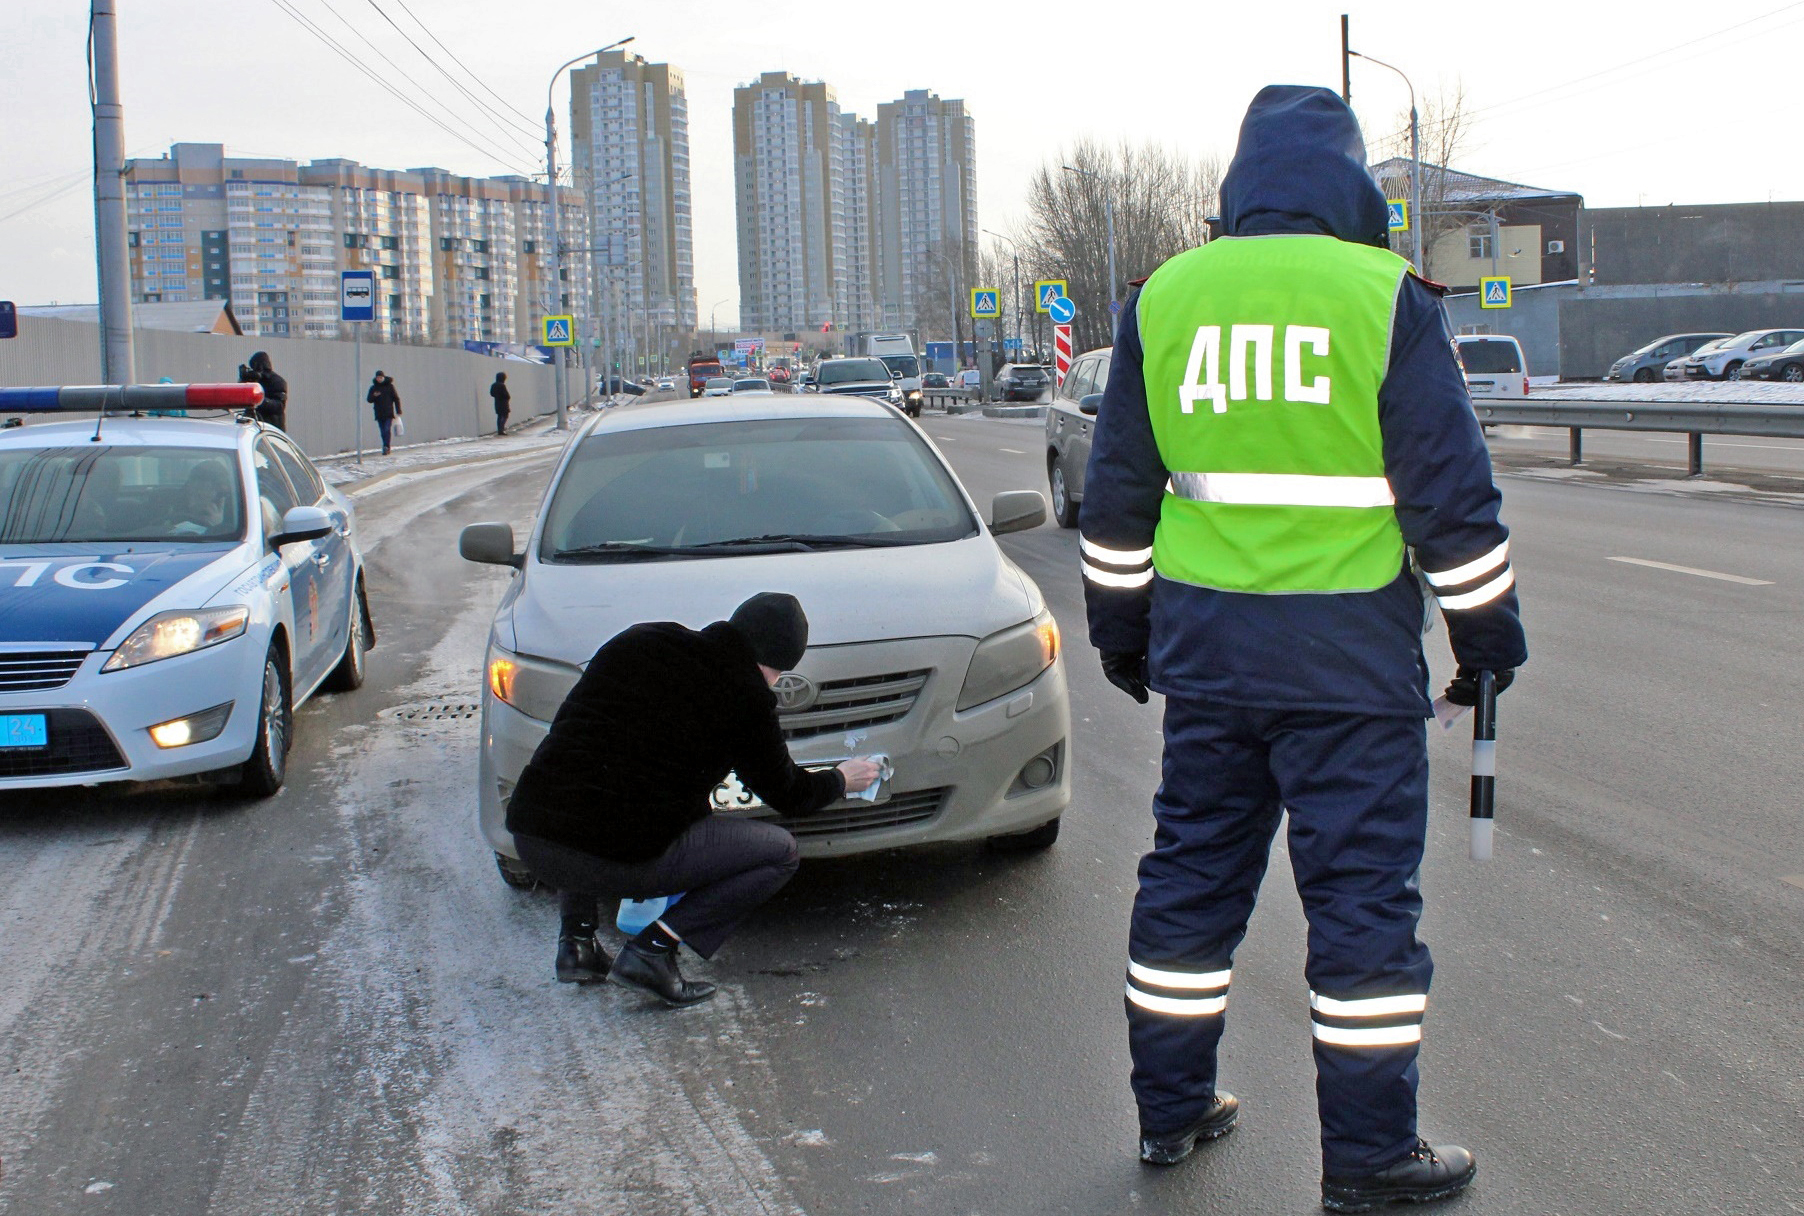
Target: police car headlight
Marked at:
183, 631
1007, 660
533, 686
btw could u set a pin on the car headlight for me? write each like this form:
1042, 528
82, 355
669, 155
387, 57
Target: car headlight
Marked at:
183, 631
1010, 659
535, 687
914, 394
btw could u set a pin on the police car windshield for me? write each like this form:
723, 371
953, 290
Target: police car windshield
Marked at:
98, 494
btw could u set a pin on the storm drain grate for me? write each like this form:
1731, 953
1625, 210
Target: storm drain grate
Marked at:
433, 711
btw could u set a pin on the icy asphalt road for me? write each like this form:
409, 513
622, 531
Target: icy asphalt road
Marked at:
329, 1003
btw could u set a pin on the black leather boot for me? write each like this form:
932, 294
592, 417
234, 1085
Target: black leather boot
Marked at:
1427, 1174
655, 974
579, 959
1215, 1123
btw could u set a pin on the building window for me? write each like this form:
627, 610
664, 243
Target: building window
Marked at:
1478, 245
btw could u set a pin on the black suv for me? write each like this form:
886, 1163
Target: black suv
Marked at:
1021, 382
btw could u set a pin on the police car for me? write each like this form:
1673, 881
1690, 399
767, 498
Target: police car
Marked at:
171, 589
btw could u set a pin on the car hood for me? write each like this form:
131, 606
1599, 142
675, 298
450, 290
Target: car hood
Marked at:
961, 587
63, 593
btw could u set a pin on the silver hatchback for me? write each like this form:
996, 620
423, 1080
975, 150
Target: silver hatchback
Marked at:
926, 642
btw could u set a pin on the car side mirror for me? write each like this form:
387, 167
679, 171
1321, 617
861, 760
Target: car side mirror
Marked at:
491, 544
895, 373
301, 523
1017, 511
1090, 403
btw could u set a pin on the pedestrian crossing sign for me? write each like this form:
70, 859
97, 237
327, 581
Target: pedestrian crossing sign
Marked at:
559, 331
1046, 291
1398, 208
986, 302
1494, 292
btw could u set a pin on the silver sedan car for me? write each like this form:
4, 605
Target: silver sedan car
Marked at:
926, 644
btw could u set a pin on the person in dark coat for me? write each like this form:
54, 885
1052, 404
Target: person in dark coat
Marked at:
386, 402
498, 391
274, 409
615, 802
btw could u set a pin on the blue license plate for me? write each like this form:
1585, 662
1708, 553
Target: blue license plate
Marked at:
24, 730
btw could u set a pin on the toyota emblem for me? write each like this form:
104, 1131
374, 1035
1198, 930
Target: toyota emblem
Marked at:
793, 691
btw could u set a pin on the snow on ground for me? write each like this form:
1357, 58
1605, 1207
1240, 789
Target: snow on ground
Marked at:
531, 436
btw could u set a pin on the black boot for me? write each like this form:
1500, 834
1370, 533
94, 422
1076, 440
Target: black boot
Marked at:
1215, 1123
1427, 1174
654, 972
579, 959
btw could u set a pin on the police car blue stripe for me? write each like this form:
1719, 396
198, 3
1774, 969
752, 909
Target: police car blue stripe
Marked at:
85, 598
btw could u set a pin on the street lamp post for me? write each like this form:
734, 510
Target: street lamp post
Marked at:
552, 218
1019, 348
1108, 204
1415, 162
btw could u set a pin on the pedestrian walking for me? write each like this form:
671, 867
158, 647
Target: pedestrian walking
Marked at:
616, 800
498, 391
274, 409
385, 401
1284, 443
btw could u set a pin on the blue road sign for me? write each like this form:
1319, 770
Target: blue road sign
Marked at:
1114, 308
559, 330
1046, 291
1061, 310
1398, 210
9, 320
357, 295
985, 303
1494, 292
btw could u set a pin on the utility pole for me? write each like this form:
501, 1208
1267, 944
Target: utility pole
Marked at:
1346, 64
118, 361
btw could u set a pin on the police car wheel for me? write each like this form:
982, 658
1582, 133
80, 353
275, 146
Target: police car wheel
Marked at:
1063, 509
515, 874
348, 675
267, 767
1030, 841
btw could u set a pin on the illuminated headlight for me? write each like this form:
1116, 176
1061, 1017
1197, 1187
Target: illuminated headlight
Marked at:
1010, 659
195, 728
168, 634
914, 394
533, 686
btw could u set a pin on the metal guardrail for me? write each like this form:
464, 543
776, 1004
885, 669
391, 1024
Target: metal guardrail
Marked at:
1692, 419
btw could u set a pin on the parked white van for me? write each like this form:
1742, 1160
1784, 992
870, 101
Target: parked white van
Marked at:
1493, 365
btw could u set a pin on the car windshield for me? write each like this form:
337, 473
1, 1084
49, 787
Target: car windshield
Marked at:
1489, 358
1742, 339
751, 385
719, 382
902, 365
765, 485
851, 371
93, 494
1030, 373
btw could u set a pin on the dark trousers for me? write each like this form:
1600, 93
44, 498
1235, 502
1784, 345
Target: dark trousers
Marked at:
1356, 789
500, 421
726, 866
387, 427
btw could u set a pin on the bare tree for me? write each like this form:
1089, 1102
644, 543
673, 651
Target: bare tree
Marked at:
1445, 125
1161, 198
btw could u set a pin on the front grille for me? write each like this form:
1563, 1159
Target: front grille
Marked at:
855, 704
904, 810
78, 744
37, 670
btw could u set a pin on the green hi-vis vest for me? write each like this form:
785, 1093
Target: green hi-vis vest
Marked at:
1263, 358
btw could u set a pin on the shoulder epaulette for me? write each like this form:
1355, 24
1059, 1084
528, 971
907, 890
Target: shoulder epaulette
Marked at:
1439, 289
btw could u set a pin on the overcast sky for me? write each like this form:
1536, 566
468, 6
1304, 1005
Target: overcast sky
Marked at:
1627, 104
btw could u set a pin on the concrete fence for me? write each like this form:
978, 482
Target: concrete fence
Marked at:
444, 392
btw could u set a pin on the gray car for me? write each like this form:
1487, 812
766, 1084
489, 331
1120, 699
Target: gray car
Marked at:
1644, 364
926, 642
1069, 420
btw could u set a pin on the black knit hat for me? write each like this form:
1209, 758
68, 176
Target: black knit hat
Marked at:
775, 626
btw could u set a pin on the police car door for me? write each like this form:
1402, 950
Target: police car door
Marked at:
331, 552
310, 642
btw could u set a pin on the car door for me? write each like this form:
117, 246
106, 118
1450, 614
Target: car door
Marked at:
332, 556
1086, 423
1062, 417
276, 495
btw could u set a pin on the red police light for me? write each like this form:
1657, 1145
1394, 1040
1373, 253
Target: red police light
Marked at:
223, 396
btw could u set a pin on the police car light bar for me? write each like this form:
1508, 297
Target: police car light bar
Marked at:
112, 398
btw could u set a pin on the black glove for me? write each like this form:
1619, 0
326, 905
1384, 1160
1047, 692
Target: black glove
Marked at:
1464, 688
1128, 673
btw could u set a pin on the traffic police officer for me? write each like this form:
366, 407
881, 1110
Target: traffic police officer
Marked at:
1285, 455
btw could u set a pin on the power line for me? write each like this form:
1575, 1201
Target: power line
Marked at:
502, 122
307, 24
460, 63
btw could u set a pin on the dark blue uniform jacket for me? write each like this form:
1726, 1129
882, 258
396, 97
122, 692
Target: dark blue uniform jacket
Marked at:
1301, 168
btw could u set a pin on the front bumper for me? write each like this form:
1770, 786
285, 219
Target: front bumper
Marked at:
957, 774
100, 721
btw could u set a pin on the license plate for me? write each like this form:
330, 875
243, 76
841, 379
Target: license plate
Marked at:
24, 730
733, 798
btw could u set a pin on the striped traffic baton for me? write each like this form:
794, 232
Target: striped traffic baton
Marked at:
1484, 766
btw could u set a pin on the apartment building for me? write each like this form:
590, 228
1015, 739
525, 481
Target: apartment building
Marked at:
862, 195
456, 258
629, 123
927, 178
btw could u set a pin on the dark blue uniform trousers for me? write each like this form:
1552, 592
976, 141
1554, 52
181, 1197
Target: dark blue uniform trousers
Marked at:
1356, 789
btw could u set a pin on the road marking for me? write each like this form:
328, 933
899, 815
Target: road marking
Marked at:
1012, 451
1727, 578
1796, 880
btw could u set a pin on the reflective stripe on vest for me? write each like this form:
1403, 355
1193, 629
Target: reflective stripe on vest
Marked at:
1263, 358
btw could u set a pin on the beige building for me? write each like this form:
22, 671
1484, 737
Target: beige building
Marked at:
862, 203
927, 218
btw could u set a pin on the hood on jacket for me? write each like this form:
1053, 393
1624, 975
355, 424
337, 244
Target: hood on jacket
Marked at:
1301, 167
260, 362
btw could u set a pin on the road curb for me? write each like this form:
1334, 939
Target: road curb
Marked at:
1014, 411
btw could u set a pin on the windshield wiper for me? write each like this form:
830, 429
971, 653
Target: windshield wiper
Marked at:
808, 540
622, 548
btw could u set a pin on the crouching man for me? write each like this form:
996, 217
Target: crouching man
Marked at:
615, 801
